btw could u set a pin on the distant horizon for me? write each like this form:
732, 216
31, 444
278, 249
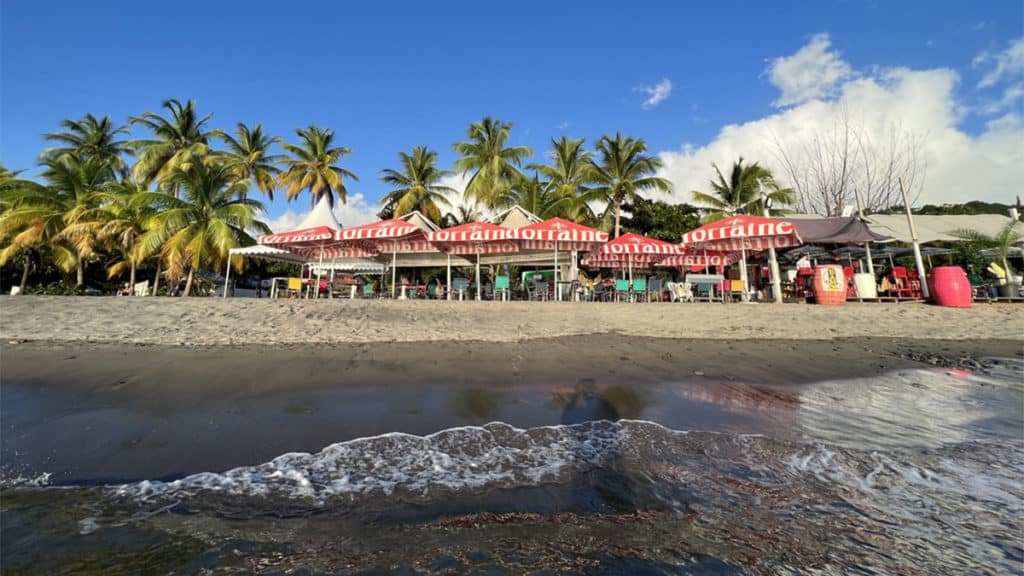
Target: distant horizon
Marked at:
698, 94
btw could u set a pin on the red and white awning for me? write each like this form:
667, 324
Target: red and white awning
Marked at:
637, 245
474, 238
743, 232
383, 230
558, 234
702, 260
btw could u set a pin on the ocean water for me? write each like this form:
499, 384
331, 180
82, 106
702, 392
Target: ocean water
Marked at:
913, 472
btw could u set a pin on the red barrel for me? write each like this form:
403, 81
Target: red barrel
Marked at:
950, 287
829, 285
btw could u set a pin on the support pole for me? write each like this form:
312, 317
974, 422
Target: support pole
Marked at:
554, 278
743, 274
867, 245
394, 261
478, 277
917, 247
448, 286
773, 267
319, 270
227, 277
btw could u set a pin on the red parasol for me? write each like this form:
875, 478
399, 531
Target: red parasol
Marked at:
559, 234
473, 238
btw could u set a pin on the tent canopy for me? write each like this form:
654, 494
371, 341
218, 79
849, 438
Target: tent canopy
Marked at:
938, 228
835, 230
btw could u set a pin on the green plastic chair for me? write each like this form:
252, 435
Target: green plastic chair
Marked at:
368, 290
501, 286
621, 288
460, 286
640, 288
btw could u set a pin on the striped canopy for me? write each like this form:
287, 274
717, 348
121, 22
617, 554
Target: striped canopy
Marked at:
637, 245
558, 234
474, 238
743, 232
702, 260
386, 229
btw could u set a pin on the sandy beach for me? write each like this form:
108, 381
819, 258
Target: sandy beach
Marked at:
215, 321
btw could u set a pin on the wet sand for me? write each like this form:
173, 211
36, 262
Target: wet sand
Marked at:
154, 411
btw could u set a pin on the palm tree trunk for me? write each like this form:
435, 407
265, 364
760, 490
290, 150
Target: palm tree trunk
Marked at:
131, 280
26, 262
188, 282
80, 278
156, 277
618, 215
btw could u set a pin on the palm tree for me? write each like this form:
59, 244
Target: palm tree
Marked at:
463, 214
314, 166
741, 192
533, 196
178, 141
624, 171
127, 208
568, 175
196, 231
248, 154
416, 185
90, 137
494, 166
1003, 241
19, 236
61, 214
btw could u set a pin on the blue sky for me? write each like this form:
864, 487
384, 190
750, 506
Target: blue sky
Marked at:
390, 75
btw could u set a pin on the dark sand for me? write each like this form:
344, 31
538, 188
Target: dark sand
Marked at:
138, 412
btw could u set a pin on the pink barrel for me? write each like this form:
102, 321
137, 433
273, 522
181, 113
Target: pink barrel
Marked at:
950, 287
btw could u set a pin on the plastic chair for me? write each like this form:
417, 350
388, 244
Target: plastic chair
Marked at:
654, 288
621, 289
640, 288
460, 286
295, 286
501, 286
368, 291
902, 282
540, 291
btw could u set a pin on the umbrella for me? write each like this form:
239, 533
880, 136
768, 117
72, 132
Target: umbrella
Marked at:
638, 249
744, 232
558, 234
472, 238
387, 236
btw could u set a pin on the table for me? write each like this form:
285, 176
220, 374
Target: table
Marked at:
415, 288
709, 280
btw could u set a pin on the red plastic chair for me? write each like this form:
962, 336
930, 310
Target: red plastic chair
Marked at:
901, 281
914, 280
851, 287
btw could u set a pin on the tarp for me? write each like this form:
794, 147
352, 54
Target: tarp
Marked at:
938, 228
835, 230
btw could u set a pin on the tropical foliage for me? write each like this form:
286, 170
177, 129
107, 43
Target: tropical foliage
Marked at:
313, 166
416, 186
623, 171
742, 191
493, 164
1003, 242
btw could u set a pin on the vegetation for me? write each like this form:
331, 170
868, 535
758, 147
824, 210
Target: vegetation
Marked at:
623, 172
416, 186
493, 164
175, 197
1003, 242
741, 191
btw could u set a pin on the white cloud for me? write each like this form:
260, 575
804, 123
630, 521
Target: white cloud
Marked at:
811, 73
1006, 64
656, 94
960, 166
1009, 99
356, 212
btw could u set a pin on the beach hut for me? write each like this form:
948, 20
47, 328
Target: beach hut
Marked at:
559, 235
474, 238
745, 233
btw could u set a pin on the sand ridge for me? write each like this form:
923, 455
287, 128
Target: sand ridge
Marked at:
217, 321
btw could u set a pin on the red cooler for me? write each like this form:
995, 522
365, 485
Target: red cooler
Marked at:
950, 287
